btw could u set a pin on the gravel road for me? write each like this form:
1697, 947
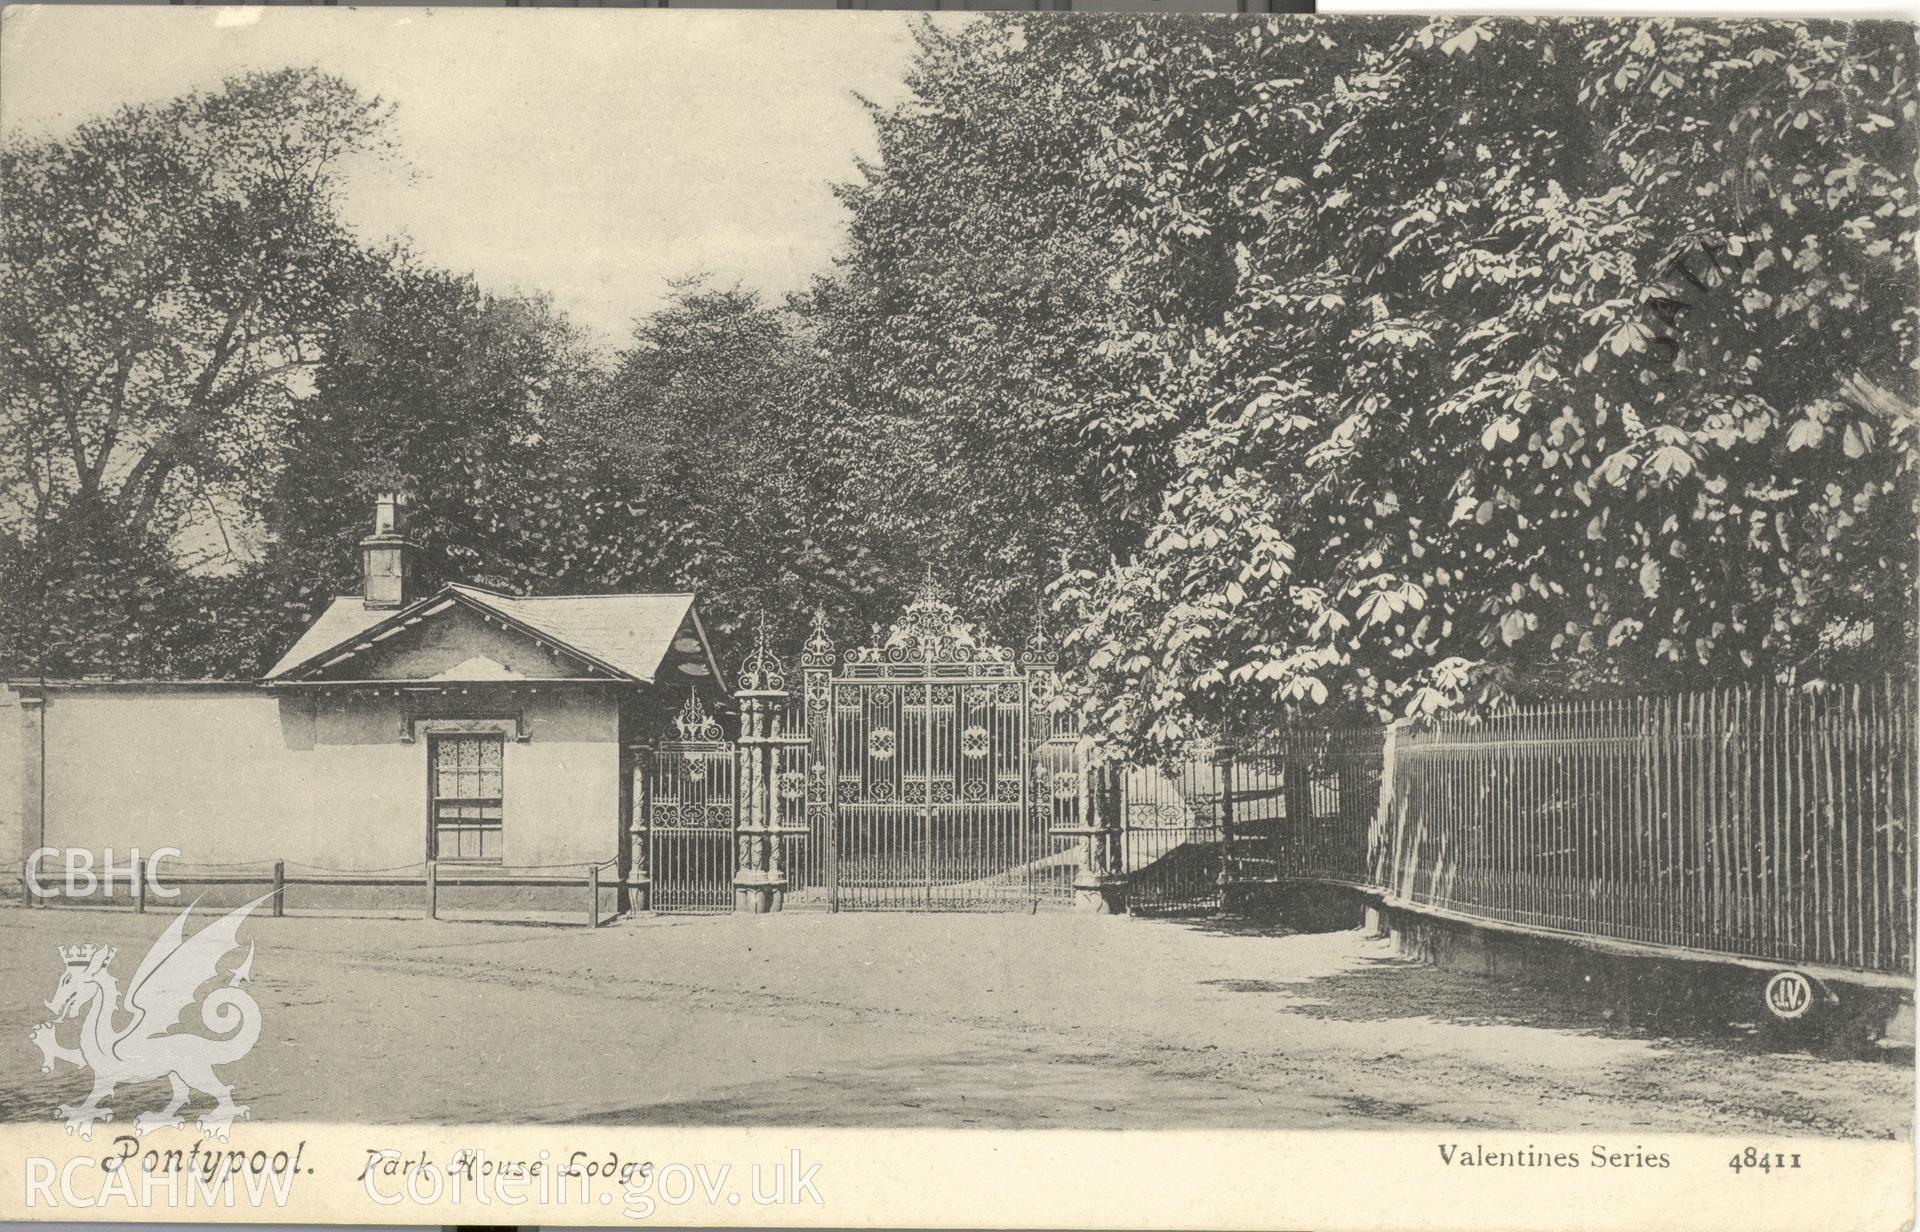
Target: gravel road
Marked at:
947, 1020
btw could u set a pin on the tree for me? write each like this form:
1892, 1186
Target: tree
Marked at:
457, 399
168, 274
964, 394
708, 427
169, 277
1534, 365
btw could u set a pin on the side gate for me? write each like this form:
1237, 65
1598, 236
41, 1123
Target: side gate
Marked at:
689, 810
1234, 822
1174, 854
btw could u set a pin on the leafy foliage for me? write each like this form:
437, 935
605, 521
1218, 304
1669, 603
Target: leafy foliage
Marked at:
1553, 355
709, 426
962, 402
451, 396
168, 274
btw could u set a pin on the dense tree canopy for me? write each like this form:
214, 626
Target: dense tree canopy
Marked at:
169, 278
709, 423
169, 273
1522, 357
960, 329
1303, 370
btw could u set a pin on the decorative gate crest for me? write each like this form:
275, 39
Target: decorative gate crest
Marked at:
930, 635
694, 724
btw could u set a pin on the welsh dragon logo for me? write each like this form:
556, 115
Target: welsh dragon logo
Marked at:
145, 1045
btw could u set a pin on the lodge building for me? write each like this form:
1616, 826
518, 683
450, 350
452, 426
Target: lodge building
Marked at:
463, 726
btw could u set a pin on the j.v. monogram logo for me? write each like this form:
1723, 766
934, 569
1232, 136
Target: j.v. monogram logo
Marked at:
1789, 994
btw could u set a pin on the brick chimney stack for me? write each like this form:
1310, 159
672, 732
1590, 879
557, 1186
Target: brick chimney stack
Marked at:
386, 556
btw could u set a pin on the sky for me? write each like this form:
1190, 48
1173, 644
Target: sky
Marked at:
593, 154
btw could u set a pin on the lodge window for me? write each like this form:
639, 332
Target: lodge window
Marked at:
464, 781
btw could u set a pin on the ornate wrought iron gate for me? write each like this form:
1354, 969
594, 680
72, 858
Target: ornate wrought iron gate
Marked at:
689, 810
935, 773
924, 773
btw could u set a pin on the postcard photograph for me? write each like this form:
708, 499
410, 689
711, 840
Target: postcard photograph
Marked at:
962, 619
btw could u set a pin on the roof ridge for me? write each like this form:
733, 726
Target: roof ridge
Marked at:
617, 594
630, 644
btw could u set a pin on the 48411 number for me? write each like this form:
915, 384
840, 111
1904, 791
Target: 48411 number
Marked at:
1764, 1161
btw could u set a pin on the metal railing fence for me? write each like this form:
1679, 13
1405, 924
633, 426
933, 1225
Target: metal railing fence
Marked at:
1754, 819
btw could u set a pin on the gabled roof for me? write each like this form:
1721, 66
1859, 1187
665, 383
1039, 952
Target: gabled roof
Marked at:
629, 633
621, 635
346, 618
